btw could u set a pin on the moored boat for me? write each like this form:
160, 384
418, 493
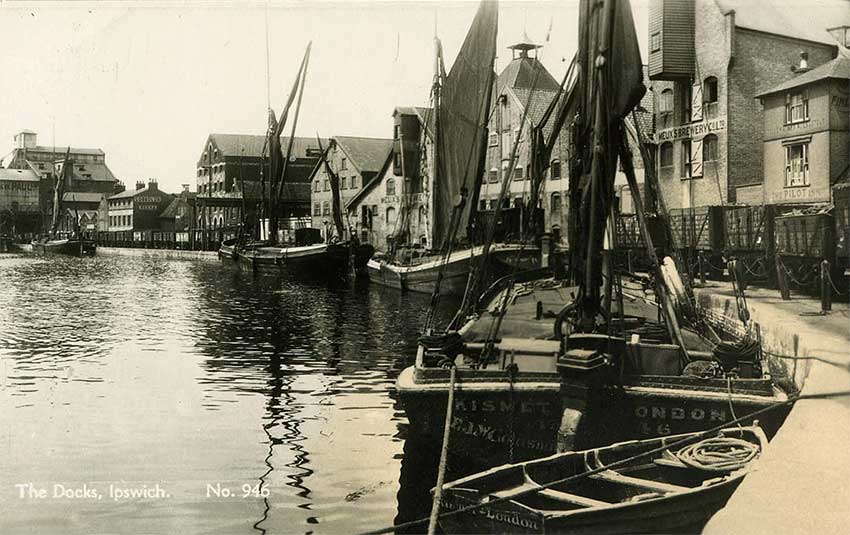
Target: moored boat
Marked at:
70, 247
74, 244
660, 485
307, 260
420, 273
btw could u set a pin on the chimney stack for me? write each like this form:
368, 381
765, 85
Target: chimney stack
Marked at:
185, 187
140, 185
152, 184
803, 66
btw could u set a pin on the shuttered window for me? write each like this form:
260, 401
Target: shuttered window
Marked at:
666, 156
665, 103
696, 102
796, 165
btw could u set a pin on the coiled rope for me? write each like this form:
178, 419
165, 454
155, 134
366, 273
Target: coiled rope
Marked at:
718, 454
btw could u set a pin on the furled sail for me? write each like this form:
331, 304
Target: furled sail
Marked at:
610, 86
464, 103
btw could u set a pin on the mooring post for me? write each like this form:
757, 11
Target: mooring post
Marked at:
825, 289
701, 262
629, 260
780, 279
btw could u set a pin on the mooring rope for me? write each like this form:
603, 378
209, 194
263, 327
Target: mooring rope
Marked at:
444, 453
617, 464
718, 454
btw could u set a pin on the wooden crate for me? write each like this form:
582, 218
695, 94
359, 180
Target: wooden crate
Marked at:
804, 235
628, 232
680, 225
707, 228
747, 228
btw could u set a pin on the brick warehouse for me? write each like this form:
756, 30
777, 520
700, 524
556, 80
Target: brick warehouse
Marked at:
708, 60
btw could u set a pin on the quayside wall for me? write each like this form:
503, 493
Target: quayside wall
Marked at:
801, 483
164, 253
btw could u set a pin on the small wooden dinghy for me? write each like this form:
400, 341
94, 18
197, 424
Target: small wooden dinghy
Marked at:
630, 487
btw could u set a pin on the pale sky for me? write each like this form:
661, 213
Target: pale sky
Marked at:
146, 82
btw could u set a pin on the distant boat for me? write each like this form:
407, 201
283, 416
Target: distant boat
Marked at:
661, 492
73, 245
305, 257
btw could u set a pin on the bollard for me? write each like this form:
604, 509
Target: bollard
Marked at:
780, 279
825, 289
629, 261
700, 261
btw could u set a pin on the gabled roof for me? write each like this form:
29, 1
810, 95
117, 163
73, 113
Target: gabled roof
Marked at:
807, 21
60, 151
366, 153
82, 196
837, 68
370, 185
20, 175
232, 144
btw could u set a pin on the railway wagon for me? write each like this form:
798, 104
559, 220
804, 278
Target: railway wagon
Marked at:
802, 240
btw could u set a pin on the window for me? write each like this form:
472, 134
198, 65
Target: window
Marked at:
317, 186
353, 183
797, 165
556, 169
390, 187
397, 131
390, 215
665, 102
494, 175
482, 205
343, 184
655, 42
342, 164
326, 208
518, 173
709, 90
666, 154
686, 159
494, 139
796, 107
327, 185
317, 208
709, 148
555, 204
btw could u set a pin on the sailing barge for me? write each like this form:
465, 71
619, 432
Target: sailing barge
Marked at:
306, 257
447, 182
558, 364
53, 244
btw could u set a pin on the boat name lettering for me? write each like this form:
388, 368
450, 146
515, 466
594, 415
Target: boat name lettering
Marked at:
498, 435
505, 517
490, 405
679, 413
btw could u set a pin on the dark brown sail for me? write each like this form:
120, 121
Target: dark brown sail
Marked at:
464, 103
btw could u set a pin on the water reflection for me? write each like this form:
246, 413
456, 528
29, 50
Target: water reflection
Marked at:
191, 373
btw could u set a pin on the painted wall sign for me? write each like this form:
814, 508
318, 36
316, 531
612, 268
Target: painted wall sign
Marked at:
799, 194
692, 130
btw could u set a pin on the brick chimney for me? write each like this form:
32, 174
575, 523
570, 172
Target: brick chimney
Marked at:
140, 185
152, 184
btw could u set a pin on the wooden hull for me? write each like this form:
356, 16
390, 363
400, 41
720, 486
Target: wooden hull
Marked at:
683, 507
422, 277
496, 421
312, 261
65, 247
